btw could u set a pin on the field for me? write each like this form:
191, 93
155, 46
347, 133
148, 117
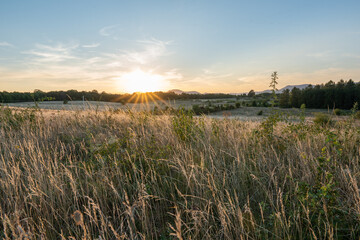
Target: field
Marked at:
242, 113
90, 174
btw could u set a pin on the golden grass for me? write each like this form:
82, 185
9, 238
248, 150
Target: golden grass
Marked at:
104, 175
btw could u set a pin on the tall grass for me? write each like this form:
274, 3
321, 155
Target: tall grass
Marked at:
91, 175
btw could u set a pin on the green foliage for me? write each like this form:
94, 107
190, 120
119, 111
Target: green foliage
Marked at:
322, 119
211, 108
15, 119
338, 112
357, 115
323, 198
184, 126
260, 113
302, 113
94, 95
273, 83
267, 127
284, 100
251, 93
295, 98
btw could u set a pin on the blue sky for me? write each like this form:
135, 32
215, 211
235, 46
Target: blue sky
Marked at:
208, 46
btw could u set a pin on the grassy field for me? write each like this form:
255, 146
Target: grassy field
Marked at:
90, 174
242, 113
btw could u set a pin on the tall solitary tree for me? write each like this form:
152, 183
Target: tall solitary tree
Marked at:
273, 83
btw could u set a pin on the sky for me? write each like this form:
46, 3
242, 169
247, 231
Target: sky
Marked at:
194, 45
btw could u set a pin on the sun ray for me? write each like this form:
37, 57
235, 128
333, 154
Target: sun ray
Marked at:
147, 102
131, 98
161, 100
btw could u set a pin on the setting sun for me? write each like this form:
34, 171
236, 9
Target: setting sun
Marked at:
140, 81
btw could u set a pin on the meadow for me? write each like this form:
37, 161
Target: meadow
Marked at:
88, 174
248, 113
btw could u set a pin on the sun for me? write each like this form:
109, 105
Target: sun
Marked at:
140, 81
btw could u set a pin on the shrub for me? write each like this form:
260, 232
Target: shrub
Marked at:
66, 101
322, 119
260, 113
357, 115
338, 112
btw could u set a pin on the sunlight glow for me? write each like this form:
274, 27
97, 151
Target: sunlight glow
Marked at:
140, 81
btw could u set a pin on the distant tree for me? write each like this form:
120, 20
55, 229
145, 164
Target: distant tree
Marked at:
350, 94
284, 100
273, 83
251, 93
295, 97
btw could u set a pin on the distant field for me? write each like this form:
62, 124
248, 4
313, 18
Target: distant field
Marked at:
93, 105
243, 113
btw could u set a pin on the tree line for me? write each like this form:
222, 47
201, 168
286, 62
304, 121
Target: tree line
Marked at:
342, 94
94, 95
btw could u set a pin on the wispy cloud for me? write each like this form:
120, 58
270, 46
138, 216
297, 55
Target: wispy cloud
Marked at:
93, 45
324, 55
151, 49
57, 53
207, 80
81, 65
6, 44
108, 31
350, 55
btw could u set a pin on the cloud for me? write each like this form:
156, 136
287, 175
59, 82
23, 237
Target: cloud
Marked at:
209, 76
322, 75
208, 80
6, 44
108, 31
350, 55
324, 54
57, 53
93, 45
152, 49
80, 66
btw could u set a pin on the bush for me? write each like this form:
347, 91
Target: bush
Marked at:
357, 115
65, 101
338, 112
322, 119
260, 113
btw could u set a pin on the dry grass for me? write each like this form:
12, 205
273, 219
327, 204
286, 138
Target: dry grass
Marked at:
88, 175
